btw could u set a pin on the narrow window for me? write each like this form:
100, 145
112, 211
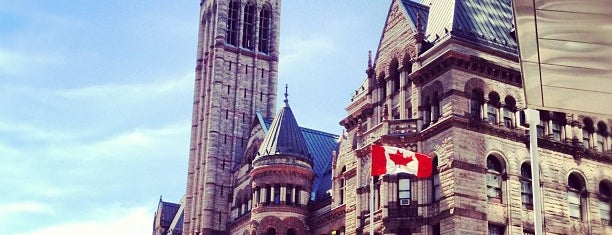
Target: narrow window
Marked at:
494, 170
298, 198
231, 34
587, 130
540, 129
435, 103
260, 96
403, 190
268, 192
492, 114
476, 101
245, 93
277, 195
436, 181
228, 89
394, 76
289, 195
508, 118
605, 199
248, 31
264, 30
427, 111
574, 198
509, 110
556, 130
226, 113
526, 189
342, 185
602, 133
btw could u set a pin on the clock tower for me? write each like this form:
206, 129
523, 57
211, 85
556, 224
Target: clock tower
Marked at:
235, 76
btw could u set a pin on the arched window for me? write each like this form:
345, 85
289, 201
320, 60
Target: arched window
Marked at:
494, 181
526, 189
492, 107
435, 107
291, 231
271, 231
427, 111
382, 84
605, 199
602, 133
248, 30
231, 33
403, 190
587, 130
575, 188
476, 101
435, 175
342, 185
394, 75
509, 109
265, 16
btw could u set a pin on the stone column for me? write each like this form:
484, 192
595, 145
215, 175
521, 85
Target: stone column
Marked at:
283, 194
293, 194
483, 111
255, 197
264, 191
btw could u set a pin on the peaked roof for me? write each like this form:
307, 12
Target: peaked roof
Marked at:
320, 145
415, 10
484, 22
167, 211
284, 136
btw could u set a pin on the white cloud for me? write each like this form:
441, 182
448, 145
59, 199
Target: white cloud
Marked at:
294, 50
125, 92
15, 62
8, 209
136, 220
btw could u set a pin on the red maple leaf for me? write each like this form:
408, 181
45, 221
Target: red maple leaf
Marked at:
399, 158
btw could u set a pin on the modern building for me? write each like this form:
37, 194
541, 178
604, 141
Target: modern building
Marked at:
444, 81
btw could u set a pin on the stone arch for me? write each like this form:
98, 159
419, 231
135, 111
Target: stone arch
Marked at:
269, 222
294, 223
582, 176
473, 83
500, 157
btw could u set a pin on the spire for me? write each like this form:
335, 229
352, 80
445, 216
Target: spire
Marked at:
284, 136
286, 101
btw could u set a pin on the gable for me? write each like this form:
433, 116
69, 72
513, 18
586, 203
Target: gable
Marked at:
397, 39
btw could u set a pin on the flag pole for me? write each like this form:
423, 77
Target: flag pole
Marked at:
371, 205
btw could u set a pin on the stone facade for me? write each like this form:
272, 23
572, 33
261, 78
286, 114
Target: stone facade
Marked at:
236, 75
446, 88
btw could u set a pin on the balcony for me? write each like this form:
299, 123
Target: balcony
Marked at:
399, 128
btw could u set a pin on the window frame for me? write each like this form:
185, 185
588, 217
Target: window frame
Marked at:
404, 195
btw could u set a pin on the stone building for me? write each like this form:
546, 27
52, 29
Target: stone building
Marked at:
444, 81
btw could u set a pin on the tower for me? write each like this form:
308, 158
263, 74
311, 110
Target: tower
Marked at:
236, 75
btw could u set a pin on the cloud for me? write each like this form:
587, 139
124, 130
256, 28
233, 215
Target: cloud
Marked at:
112, 220
14, 62
295, 49
125, 92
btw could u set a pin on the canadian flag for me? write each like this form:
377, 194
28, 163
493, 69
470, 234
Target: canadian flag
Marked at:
392, 160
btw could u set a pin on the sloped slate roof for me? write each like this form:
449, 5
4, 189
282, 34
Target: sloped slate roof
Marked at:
484, 22
284, 136
320, 145
168, 211
414, 10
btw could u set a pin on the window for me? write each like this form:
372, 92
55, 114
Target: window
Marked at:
540, 129
277, 195
526, 189
495, 229
587, 130
427, 111
491, 114
248, 31
436, 181
600, 142
394, 75
298, 198
605, 198
602, 133
268, 192
435, 104
509, 110
476, 101
403, 190
494, 170
556, 130
264, 30
231, 33
289, 195
574, 198
508, 118
342, 185
585, 138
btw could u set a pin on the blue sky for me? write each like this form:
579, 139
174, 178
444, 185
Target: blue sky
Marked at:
95, 101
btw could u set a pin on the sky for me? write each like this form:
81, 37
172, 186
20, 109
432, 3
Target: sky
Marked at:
95, 101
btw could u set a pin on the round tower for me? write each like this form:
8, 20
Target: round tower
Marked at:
282, 178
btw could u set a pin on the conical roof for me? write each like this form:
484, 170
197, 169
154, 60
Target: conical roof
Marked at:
284, 136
